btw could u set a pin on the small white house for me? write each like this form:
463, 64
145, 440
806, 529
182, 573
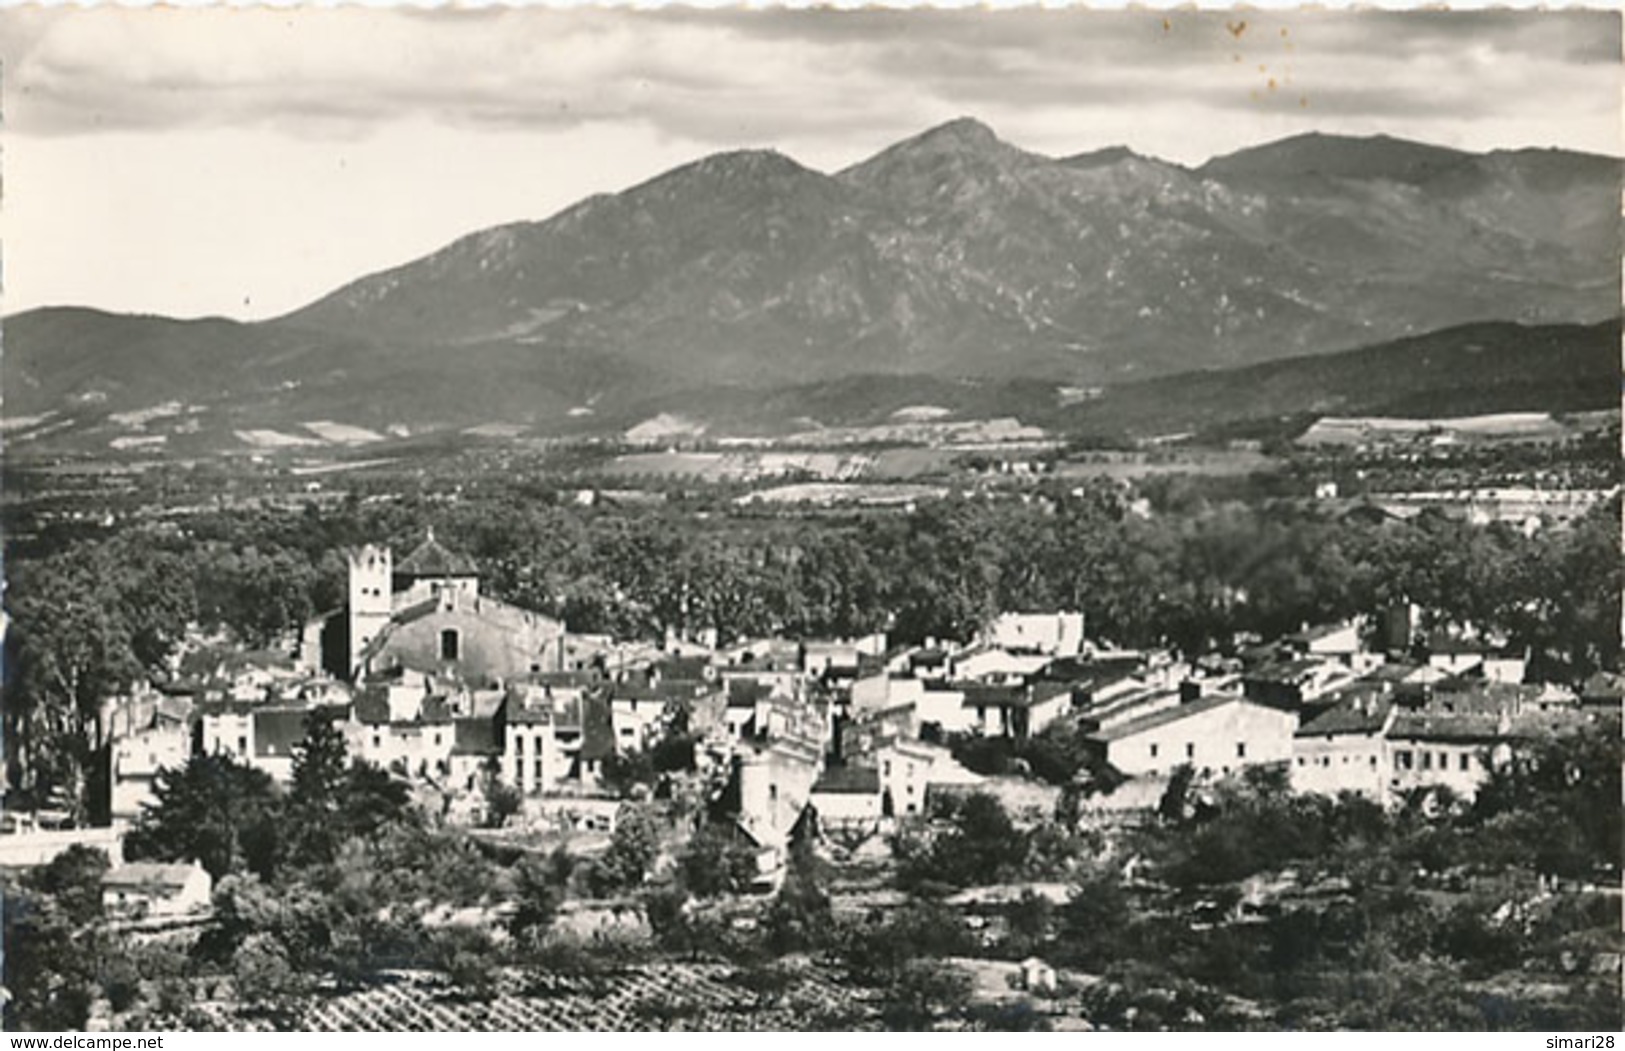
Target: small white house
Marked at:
905, 774
1037, 976
1053, 634
148, 889
846, 796
136, 761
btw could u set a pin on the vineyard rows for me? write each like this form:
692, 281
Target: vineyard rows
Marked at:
667, 996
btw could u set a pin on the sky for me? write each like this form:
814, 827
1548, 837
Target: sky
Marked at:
245, 162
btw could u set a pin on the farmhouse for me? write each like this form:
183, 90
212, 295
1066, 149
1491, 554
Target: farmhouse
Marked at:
146, 889
1214, 734
1345, 748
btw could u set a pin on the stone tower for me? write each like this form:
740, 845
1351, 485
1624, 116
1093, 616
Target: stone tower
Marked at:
370, 576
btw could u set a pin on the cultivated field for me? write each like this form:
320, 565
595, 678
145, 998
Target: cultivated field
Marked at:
685, 996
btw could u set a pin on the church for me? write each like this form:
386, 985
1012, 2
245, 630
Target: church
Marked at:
425, 613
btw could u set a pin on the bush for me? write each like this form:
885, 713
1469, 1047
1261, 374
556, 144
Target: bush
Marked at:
921, 992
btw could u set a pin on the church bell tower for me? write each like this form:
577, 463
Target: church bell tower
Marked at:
370, 577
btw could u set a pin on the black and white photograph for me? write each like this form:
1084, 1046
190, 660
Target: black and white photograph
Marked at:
775, 519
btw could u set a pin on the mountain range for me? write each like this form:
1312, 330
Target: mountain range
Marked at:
951, 258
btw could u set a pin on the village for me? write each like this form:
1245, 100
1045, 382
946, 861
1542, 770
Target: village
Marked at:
501, 719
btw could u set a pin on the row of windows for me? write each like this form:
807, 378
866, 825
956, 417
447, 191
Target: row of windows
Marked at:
1206, 771
519, 770
378, 741
1404, 759
1190, 750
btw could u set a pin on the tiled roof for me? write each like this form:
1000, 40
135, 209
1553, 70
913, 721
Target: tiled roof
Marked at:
476, 737
1476, 695
515, 710
568, 679
683, 667
980, 696
372, 706
1429, 726
1317, 632
1604, 686
744, 693
1393, 671
1047, 691
432, 559
1363, 714
277, 730
1288, 672
1165, 717
848, 780
437, 709
149, 874
226, 706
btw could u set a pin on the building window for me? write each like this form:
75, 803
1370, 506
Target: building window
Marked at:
1373, 760
1190, 751
1427, 760
1464, 760
537, 766
1402, 759
448, 644
772, 793
885, 768
1241, 749
242, 746
377, 741
1444, 760
1300, 760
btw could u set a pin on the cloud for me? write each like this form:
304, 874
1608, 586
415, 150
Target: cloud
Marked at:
714, 76
233, 161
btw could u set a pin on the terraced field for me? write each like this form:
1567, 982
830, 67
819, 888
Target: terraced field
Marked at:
644, 998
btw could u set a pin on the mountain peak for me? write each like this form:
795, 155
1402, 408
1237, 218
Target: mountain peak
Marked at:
1338, 156
741, 164
961, 132
960, 145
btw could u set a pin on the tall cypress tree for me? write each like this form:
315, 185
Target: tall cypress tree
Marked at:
316, 797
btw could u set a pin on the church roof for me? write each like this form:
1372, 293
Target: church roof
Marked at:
433, 559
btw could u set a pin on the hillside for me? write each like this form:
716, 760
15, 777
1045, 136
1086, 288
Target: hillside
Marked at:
956, 253
1460, 371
